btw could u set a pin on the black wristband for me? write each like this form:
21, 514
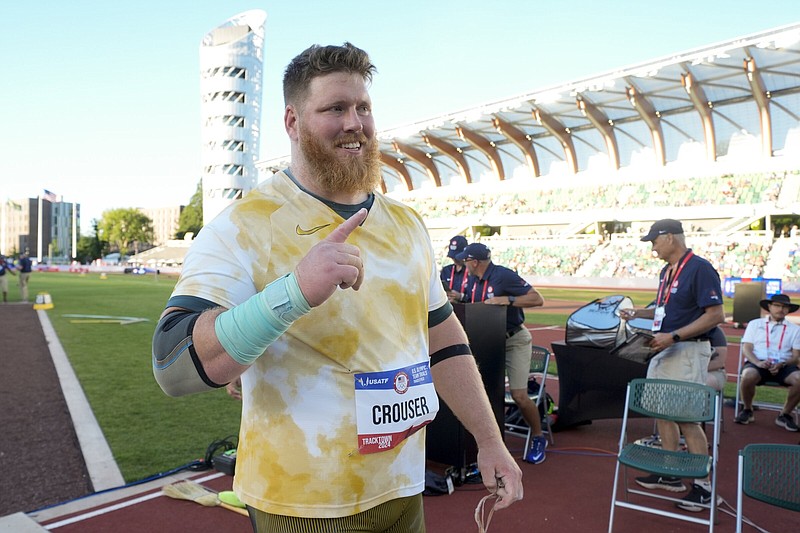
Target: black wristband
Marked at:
450, 351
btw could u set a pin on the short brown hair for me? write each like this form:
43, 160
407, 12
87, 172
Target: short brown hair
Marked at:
320, 60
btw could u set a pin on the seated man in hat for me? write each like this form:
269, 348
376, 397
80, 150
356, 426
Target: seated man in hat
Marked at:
771, 349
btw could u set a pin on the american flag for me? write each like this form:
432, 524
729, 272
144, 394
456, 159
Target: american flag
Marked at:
49, 196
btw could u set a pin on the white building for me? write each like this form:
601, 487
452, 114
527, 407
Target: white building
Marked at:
165, 222
231, 62
20, 223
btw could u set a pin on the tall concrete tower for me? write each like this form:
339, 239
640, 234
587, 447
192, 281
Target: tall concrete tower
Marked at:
231, 63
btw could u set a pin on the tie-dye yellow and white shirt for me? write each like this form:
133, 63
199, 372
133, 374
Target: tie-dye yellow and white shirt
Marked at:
298, 447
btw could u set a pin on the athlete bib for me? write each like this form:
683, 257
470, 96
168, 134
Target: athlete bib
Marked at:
392, 405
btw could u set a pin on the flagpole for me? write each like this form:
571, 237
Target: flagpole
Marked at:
39, 242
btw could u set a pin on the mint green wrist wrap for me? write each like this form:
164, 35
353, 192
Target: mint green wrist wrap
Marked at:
248, 329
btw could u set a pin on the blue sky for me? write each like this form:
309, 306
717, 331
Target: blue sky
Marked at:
100, 99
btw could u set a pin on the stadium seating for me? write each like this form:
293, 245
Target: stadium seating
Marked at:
546, 229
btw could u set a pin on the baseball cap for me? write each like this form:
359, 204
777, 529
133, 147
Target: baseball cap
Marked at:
475, 250
457, 245
662, 227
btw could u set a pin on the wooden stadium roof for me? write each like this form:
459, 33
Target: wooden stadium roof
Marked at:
706, 103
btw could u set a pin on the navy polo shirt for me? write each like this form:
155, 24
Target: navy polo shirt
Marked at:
453, 280
499, 281
697, 286
25, 264
717, 337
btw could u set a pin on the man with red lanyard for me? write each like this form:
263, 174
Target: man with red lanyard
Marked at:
454, 276
771, 348
688, 306
497, 285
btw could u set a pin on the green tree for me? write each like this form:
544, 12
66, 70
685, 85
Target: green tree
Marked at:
191, 219
123, 226
90, 247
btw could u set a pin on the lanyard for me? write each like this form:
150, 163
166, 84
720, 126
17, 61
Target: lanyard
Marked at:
463, 278
483, 296
780, 342
666, 281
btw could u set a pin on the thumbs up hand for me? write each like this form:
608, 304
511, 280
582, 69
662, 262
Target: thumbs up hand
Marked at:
332, 263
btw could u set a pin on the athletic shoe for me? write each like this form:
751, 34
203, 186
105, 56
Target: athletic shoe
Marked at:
535, 453
654, 481
745, 417
786, 422
697, 500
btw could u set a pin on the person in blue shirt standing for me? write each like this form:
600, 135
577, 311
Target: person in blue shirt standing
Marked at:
5, 267
497, 285
454, 276
25, 267
688, 306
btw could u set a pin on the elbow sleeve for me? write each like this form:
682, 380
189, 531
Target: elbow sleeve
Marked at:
176, 367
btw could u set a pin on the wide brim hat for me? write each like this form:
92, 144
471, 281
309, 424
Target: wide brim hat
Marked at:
779, 299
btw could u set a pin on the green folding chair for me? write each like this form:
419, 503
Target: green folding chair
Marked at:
769, 473
678, 401
540, 361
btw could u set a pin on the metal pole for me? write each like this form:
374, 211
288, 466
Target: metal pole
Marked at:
39, 241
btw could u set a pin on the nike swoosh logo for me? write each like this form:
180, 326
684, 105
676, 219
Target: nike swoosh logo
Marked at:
301, 231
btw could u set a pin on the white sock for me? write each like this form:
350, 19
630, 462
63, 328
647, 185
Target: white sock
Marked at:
704, 484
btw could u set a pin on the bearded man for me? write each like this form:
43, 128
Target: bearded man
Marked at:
336, 384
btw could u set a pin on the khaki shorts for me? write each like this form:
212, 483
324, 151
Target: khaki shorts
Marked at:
518, 359
402, 515
683, 361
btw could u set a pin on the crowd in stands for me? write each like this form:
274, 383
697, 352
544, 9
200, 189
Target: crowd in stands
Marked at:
742, 255
542, 253
543, 259
792, 271
729, 189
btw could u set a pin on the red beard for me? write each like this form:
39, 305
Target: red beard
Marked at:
347, 175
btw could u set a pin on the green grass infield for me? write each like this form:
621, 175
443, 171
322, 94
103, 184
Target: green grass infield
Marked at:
149, 432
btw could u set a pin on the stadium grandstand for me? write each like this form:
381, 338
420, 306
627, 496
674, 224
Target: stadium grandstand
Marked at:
561, 182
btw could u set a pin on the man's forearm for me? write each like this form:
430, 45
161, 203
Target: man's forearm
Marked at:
459, 384
218, 365
531, 299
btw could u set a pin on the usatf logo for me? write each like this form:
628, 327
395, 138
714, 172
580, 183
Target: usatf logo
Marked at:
301, 231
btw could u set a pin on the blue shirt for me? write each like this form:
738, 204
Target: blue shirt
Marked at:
454, 280
697, 286
25, 264
499, 281
717, 337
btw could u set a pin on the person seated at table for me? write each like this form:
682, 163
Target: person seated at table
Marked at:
771, 350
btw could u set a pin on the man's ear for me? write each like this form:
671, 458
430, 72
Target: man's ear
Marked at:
290, 119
